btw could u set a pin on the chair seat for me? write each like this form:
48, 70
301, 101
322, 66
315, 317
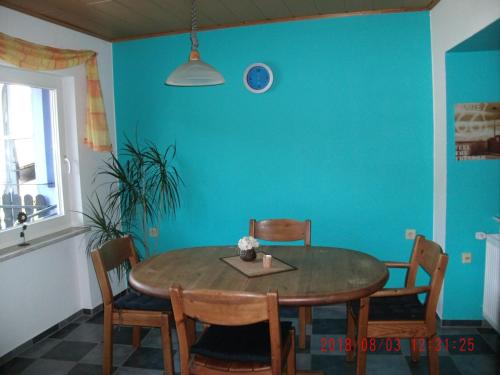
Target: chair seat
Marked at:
394, 308
137, 301
249, 343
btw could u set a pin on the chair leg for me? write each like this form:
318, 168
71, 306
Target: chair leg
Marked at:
309, 314
415, 352
107, 361
302, 327
136, 336
350, 334
433, 357
166, 341
290, 362
364, 305
360, 355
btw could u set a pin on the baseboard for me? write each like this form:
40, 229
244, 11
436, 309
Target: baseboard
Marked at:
461, 323
47, 333
50, 331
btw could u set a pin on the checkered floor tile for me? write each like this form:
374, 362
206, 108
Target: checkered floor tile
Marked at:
77, 350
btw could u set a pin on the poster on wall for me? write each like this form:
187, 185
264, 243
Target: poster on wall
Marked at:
477, 131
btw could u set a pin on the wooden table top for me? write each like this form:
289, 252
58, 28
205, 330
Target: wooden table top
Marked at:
324, 275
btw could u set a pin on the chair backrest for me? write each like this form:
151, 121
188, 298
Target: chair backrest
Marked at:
108, 257
429, 256
228, 309
281, 230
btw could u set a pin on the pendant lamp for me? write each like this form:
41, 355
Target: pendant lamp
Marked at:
195, 72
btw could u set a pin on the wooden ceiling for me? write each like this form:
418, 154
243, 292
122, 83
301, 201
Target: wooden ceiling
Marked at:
116, 20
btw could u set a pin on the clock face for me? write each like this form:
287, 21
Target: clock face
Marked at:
258, 78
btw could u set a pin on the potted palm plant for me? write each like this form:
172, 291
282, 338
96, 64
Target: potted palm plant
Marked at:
141, 187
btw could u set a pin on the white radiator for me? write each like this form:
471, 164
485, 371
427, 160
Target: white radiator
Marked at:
491, 298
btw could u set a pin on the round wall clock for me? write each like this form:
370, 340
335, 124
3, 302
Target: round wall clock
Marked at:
258, 78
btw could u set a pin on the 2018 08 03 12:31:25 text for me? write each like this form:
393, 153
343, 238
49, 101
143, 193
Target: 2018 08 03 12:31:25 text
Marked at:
370, 344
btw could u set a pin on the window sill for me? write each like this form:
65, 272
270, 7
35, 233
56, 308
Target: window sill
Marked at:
35, 244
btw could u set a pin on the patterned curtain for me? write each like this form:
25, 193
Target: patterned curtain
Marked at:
33, 56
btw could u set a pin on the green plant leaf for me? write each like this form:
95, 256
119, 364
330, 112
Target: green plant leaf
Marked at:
141, 187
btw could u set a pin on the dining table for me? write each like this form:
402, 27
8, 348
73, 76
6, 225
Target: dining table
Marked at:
320, 275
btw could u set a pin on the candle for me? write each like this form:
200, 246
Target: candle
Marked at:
267, 261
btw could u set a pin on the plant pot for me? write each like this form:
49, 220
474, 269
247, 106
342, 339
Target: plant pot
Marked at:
248, 255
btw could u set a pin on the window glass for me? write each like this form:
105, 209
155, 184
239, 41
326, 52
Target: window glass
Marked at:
29, 150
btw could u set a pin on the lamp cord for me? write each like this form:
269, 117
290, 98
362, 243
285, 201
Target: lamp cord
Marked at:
194, 26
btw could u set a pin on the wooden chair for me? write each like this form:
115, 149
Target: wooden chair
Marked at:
285, 230
398, 313
243, 335
132, 309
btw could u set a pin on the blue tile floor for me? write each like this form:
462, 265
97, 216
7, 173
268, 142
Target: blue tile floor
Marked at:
77, 350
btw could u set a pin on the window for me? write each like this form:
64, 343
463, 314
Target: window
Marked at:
31, 180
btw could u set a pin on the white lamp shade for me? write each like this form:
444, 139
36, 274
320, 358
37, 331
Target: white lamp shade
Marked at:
195, 73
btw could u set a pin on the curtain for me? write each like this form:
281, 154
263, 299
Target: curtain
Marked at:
33, 56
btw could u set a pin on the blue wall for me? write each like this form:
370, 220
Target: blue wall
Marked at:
344, 137
473, 188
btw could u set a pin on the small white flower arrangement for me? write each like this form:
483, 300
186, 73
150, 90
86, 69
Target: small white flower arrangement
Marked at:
248, 243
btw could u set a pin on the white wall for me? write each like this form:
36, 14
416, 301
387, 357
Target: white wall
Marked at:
452, 21
41, 288
44, 287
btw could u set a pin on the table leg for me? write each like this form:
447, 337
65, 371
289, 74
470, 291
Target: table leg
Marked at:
302, 327
351, 333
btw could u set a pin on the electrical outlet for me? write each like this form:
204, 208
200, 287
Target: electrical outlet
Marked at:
466, 258
410, 234
153, 232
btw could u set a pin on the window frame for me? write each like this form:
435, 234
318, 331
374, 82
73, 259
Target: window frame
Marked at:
10, 237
